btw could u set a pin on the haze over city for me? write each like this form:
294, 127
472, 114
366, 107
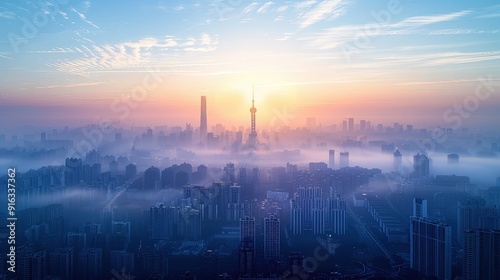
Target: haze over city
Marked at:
233, 139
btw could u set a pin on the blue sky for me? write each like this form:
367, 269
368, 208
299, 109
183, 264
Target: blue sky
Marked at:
77, 52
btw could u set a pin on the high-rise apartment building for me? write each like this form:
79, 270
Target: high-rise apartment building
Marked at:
271, 237
430, 248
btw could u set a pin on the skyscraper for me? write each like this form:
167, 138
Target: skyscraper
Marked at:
247, 228
398, 160
229, 173
481, 254
421, 165
430, 248
331, 159
296, 218
203, 120
473, 213
336, 215
344, 159
351, 124
271, 237
247, 246
362, 125
252, 137
307, 200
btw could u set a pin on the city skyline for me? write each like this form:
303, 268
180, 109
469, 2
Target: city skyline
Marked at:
234, 139
324, 59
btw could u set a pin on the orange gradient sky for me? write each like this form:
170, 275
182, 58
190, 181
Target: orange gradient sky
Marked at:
305, 58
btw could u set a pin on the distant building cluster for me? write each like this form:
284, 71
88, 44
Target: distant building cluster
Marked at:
353, 200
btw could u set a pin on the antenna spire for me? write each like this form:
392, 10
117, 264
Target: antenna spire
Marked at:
253, 94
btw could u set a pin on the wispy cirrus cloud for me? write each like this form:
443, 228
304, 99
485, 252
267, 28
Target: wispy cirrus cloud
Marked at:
131, 53
250, 8
330, 38
5, 57
84, 18
70, 85
456, 81
418, 21
458, 31
461, 57
7, 15
325, 10
441, 58
264, 8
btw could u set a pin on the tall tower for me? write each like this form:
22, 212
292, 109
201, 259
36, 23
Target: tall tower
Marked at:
252, 137
203, 120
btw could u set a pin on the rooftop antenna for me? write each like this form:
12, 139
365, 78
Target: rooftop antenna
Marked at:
253, 94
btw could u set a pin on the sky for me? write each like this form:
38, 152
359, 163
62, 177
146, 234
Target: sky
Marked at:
148, 62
